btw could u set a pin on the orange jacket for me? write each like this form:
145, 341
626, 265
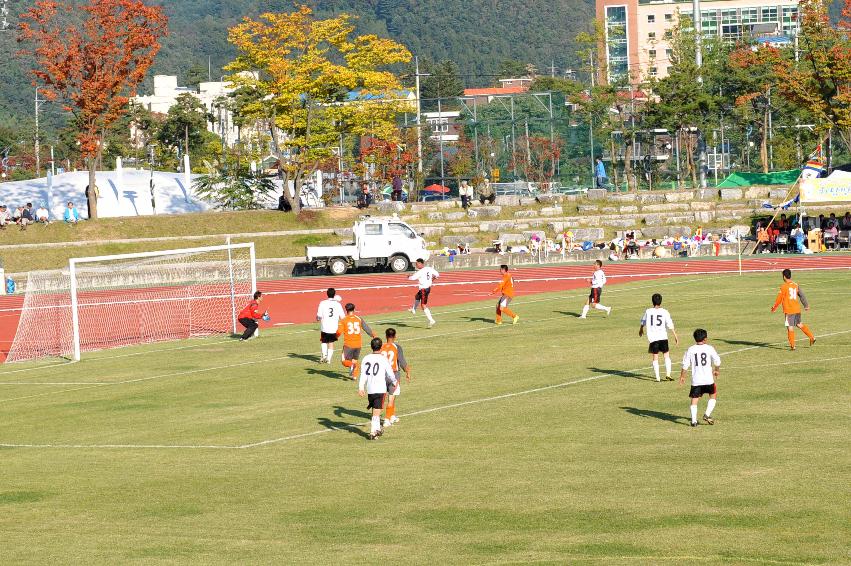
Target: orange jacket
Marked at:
506, 287
791, 297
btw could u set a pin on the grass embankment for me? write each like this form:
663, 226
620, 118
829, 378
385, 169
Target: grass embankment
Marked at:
557, 447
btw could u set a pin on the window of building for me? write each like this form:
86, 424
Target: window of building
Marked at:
668, 34
653, 71
651, 19
669, 53
750, 15
616, 42
769, 14
651, 36
652, 53
669, 17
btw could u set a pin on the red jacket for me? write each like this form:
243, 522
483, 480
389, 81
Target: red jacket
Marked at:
251, 311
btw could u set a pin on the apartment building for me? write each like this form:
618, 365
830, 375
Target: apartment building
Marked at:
637, 32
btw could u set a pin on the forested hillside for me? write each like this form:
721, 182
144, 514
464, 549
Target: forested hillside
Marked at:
477, 34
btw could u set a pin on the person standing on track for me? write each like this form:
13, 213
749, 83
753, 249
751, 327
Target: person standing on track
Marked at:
791, 297
424, 276
506, 290
598, 280
249, 316
329, 314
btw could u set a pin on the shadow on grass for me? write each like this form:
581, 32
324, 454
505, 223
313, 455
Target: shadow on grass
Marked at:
480, 319
395, 324
569, 313
621, 373
341, 411
340, 425
749, 343
308, 357
330, 374
677, 419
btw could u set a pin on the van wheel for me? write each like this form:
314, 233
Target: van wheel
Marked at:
337, 266
399, 263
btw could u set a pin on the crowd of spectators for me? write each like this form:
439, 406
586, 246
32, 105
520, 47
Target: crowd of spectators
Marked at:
27, 215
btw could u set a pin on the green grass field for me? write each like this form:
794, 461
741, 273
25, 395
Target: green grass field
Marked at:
545, 442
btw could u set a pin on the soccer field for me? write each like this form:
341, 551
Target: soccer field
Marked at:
545, 442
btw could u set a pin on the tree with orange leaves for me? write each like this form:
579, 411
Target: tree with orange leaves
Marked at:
91, 57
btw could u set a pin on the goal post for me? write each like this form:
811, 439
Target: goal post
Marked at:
127, 299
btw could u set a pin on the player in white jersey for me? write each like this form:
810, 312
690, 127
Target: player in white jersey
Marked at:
375, 376
704, 362
658, 321
598, 280
424, 277
329, 314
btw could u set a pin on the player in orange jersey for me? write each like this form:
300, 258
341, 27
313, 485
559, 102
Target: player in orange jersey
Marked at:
351, 328
394, 354
506, 289
791, 297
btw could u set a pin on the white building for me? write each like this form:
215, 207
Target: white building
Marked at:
209, 94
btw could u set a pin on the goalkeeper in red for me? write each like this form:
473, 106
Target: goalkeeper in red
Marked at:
249, 316
791, 297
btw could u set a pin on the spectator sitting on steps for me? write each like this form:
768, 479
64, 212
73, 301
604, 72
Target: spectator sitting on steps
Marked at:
42, 215
5, 216
486, 192
72, 215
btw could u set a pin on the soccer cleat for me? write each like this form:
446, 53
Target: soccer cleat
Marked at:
583, 317
812, 341
394, 419
792, 348
708, 419
413, 310
498, 322
373, 435
658, 380
387, 423
515, 319
693, 423
669, 378
242, 339
608, 311
431, 323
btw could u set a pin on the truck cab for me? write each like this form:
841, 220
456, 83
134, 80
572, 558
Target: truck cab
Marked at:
380, 242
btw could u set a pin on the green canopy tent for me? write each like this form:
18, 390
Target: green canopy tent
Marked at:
749, 179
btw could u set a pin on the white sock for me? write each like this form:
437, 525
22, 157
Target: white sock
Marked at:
427, 312
656, 369
668, 366
584, 311
324, 350
710, 407
693, 413
600, 307
375, 425
330, 352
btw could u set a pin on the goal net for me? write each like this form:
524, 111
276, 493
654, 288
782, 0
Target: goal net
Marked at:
121, 300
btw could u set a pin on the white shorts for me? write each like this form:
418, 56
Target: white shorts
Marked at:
398, 388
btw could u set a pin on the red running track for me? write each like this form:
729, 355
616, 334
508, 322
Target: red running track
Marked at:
294, 301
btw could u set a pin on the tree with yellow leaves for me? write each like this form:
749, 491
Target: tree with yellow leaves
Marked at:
313, 82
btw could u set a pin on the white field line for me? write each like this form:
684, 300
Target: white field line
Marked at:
362, 424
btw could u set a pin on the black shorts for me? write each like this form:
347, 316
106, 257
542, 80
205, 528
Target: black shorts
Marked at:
328, 337
595, 295
659, 347
422, 296
698, 391
375, 400
351, 353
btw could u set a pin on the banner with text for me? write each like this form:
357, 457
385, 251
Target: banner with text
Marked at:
825, 190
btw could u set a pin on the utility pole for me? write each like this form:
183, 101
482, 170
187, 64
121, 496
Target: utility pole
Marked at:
698, 59
591, 119
38, 103
419, 117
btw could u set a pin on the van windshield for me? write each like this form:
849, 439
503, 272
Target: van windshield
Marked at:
402, 229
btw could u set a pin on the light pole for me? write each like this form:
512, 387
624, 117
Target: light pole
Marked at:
38, 103
153, 200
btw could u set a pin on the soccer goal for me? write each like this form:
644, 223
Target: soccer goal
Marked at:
121, 300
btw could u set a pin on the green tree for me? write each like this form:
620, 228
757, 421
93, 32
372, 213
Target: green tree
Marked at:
195, 75
237, 188
444, 83
185, 125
